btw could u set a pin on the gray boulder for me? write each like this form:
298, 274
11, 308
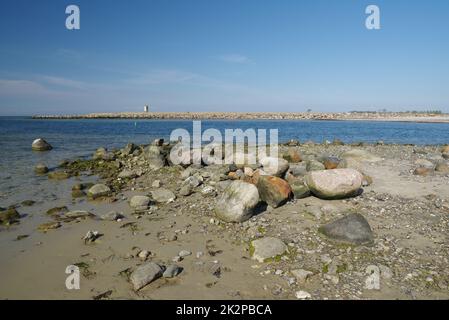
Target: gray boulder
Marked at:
140, 203
155, 157
98, 191
334, 184
41, 168
237, 202
352, 229
274, 166
314, 165
112, 216
145, 274
163, 195
41, 145
172, 271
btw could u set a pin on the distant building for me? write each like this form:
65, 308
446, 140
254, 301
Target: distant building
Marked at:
146, 108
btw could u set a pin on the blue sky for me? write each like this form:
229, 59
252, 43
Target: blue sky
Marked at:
223, 55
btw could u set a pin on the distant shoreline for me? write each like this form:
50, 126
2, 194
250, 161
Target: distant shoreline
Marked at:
343, 116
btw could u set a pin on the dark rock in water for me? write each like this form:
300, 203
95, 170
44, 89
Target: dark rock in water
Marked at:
353, 229
49, 226
41, 169
58, 175
41, 145
78, 193
64, 163
9, 216
57, 211
145, 274
28, 203
103, 154
82, 186
274, 191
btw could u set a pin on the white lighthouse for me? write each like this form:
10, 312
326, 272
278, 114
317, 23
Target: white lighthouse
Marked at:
146, 108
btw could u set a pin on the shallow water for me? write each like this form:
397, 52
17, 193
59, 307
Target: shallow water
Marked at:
80, 138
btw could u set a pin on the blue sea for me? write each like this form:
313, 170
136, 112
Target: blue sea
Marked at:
80, 138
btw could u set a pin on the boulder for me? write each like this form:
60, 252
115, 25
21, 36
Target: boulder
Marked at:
40, 169
186, 190
360, 155
112, 216
445, 149
274, 191
274, 166
422, 171
424, 163
352, 229
103, 154
298, 170
300, 190
237, 202
331, 162
313, 165
442, 167
140, 203
98, 191
293, 155
129, 149
155, 157
172, 271
77, 214
145, 274
163, 195
334, 184
267, 248
41, 145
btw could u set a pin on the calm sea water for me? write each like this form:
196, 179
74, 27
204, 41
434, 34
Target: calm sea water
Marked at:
79, 138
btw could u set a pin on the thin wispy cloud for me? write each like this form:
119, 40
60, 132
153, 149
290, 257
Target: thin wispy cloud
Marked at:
235, 58
64, 82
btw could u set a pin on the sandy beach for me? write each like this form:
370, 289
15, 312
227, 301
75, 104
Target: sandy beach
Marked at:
180, 221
